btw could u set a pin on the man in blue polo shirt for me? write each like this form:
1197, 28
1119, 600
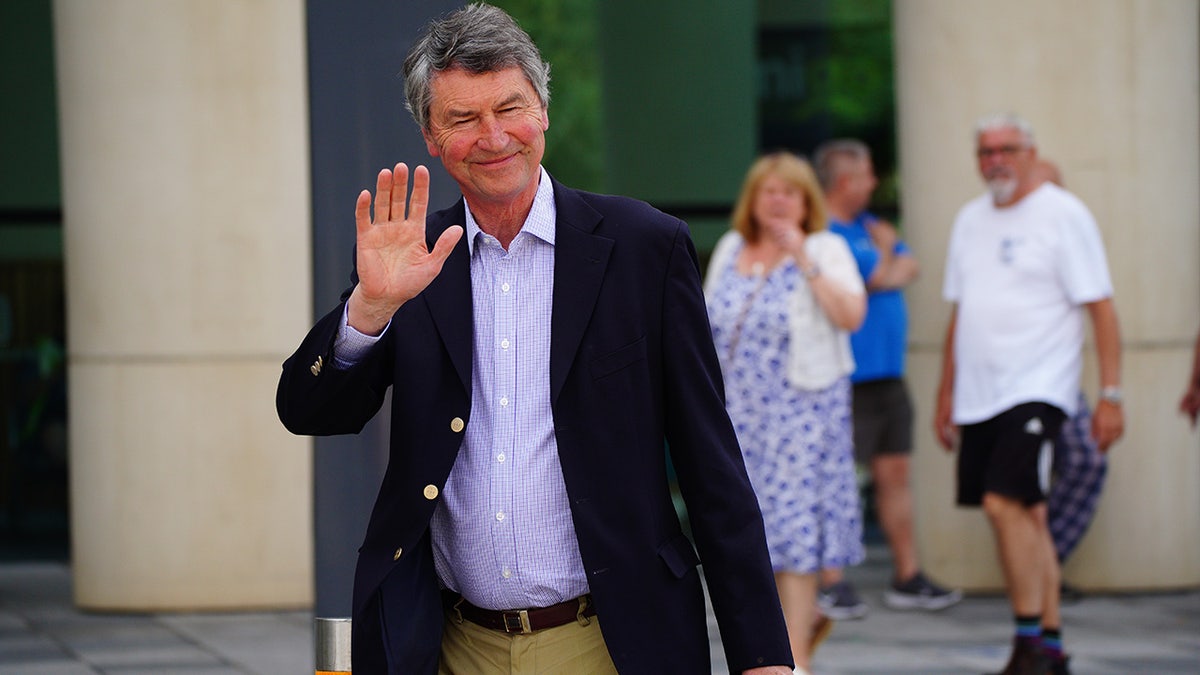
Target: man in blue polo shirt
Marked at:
883, 411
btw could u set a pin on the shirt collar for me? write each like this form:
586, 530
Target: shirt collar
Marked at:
539, 222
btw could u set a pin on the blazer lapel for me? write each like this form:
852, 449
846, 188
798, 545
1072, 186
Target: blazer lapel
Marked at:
449, 295
580, 260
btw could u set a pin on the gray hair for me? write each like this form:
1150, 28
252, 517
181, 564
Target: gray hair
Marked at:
1004, 120
826, 158
478, 38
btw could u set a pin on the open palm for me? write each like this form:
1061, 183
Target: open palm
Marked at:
394, 262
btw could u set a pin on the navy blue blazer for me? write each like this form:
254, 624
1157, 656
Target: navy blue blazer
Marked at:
632, 365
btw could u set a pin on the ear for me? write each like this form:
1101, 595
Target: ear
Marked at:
430, 145
545, 118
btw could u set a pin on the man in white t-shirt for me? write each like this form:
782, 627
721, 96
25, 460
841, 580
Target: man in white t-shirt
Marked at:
1024, 263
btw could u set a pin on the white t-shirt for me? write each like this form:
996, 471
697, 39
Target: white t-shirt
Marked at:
1020, 276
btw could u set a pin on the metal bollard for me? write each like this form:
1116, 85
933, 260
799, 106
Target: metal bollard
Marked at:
333, 646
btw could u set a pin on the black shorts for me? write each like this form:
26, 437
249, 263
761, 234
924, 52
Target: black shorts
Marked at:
883, 419
1010, 454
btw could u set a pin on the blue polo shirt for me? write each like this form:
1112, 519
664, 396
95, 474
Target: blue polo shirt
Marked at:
879, 345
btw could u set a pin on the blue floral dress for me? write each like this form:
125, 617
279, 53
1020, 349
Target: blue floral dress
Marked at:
797, 443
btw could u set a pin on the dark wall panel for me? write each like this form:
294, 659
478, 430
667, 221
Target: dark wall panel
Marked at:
358, 126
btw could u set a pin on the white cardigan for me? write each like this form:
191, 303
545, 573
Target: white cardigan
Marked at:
819, 353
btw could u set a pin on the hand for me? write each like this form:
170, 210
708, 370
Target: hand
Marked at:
1190, 403
1108, 424
393, 262
883, 235
769, 670
787, 235
944, 429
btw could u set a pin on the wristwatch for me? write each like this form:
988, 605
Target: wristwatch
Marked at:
1112, 395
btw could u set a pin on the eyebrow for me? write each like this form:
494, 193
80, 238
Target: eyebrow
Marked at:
515, 97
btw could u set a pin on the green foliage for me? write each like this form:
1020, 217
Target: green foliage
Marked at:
565, 32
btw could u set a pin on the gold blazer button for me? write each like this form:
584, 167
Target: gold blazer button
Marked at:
396, 555
431, 492
456, 424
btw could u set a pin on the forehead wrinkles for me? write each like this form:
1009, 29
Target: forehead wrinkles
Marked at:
458, 94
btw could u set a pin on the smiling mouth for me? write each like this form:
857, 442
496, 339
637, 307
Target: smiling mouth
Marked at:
494, 161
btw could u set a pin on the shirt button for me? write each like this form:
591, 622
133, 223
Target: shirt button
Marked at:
506, 573
504, 401
500, 458
504, 344
500, 516
504, 287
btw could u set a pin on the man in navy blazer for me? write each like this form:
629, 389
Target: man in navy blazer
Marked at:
537, 366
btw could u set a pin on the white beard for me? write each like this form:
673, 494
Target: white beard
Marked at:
1002, 189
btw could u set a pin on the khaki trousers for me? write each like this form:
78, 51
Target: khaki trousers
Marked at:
570, 649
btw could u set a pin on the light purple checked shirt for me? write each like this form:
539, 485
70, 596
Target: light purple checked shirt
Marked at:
502, 533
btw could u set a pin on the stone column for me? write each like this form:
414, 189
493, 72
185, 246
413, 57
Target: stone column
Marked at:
187, 245
1110, 87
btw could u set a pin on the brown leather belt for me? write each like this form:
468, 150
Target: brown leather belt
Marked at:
520, 620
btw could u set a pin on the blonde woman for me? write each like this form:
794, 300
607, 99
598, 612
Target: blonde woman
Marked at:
783, 295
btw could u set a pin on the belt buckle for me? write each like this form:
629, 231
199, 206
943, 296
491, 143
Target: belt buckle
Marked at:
517, 622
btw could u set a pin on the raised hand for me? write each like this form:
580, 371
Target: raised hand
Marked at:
786, 234
394, 263
883, 235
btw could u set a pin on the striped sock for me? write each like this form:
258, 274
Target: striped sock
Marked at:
1052, 643
1029, 627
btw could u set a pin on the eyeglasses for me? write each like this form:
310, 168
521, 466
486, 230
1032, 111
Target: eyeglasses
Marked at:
1003, 150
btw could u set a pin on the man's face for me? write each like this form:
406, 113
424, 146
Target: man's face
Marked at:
858, 181
489, 131
1005, 162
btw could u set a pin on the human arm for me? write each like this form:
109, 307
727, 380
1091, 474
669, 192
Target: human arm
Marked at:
845, 307
394, 264
769, 670
1190, 403
894, 269
843, 303
325, 388
725, 520
943, 426
1108, 418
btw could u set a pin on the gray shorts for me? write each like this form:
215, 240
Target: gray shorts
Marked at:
883, 419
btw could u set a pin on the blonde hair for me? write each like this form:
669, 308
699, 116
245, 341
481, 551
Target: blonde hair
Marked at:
793, 170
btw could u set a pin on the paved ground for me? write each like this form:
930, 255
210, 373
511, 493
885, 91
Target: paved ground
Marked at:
1107, 635
41, 633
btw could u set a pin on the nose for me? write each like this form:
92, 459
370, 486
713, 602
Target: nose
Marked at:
492, 135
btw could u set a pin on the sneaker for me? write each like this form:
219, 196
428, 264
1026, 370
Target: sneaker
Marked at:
1026, 659
840, 602
920, 593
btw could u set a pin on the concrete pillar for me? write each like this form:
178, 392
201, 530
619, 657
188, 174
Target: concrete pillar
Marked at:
1110, 87
187, 246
